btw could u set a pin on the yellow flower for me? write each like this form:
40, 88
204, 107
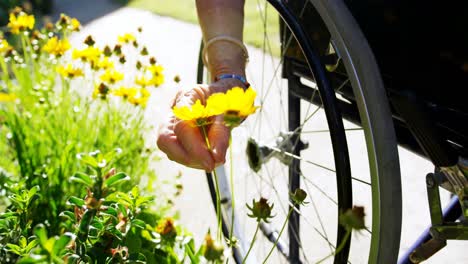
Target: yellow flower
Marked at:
125, 92
56, 47
198, 114
4, 46
144, 92
143, 81
141, 101
90, 54
158, 76
75, 24
20, 23
126, 38
105, 64
112, 76
6, 97
236, 104
69, 71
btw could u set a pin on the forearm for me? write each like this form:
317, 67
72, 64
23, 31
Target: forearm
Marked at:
223, 18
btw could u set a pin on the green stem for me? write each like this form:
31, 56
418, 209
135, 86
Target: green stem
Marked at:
218, 196
5, 75
279, 235
252, 242
339, 248
233, 201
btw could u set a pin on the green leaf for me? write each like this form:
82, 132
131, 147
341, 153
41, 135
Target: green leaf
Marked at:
141, 201
31, 245
33, 191
89, 160
61, 243
41, 234
14, 249
82, 178
117, 178
97, 225
84, 225
75, 201
33, 260
135, 192
68, 215
120, 198
139, 223
133, 242
123, 210
190, 251
23, 242
8, 215
110, 211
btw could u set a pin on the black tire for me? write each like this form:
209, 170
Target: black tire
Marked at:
365, 97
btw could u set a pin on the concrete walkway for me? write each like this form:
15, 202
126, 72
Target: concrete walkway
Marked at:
176, 46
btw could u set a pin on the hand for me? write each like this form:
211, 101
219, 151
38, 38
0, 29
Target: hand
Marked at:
186, 144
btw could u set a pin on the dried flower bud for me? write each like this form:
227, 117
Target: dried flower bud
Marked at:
152, 60
138, 65
140, 29
353, 218
135, 44
89, 41
107, 51
166, 228
177, 78
63, 21
299, 196
103, 89
144, 51
122, 59
212, 250
260, 210
118, 49
49, 26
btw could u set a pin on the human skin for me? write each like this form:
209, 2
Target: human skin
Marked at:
182, 142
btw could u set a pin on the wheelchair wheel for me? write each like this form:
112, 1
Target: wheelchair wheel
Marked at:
299, 138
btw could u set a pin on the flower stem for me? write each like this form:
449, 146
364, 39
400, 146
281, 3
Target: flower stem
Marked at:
339, 248
233, 201
218, 196
279, 235
252, 242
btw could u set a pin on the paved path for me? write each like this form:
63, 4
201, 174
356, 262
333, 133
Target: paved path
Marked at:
176, 47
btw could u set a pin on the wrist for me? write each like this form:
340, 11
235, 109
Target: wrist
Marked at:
225, 55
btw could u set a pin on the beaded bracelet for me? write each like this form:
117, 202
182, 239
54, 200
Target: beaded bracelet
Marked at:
233, 76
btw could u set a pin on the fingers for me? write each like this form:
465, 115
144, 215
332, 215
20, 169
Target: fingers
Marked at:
219, 139
186, 144
193, 142
169, 143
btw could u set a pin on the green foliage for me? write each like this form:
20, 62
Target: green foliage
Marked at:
104, 226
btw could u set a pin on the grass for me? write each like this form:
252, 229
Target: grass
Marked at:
185, 10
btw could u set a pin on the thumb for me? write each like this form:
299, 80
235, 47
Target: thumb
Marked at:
219, 139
